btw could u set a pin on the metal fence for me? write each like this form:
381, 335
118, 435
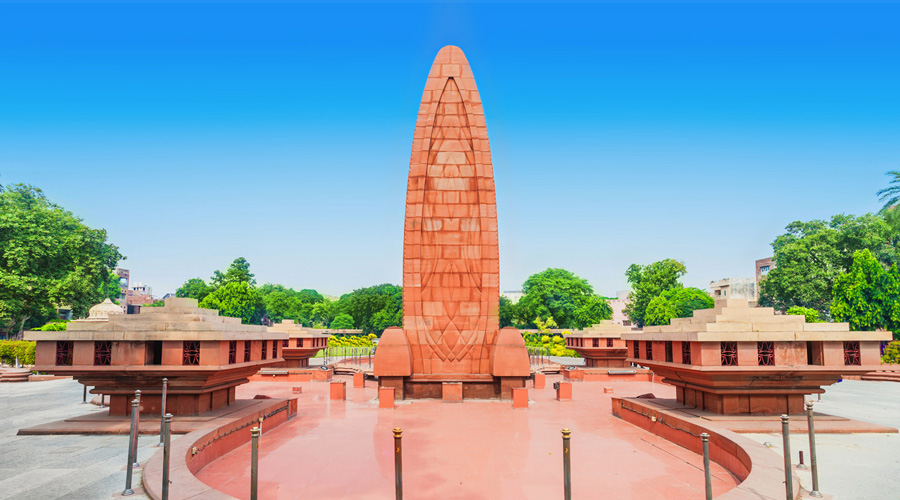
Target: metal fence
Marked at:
358, 356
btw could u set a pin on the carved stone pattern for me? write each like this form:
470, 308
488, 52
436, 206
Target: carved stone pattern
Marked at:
669, 356
686, 353
274, 349
609, 342
299, 343
265, 350
102, 353
284, 343
648, 348
246, 351
766, 353
451, 293
64, 350
729, 353
190, 353
851, 353
637, 348
232, 352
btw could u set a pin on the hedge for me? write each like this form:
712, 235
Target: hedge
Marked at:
24, 349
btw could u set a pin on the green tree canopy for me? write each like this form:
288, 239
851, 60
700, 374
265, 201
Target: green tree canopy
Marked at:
237, 272
194, 288
238, 300
48, 257
660, 311
811, 315
559, 294
591, 311
687, 300
507, 312
811, 255
342, 321
365, 304
648, 282
867, 296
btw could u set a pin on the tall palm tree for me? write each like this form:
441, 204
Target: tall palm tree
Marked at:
890, 193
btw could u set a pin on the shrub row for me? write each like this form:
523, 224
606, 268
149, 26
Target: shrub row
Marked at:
24, 349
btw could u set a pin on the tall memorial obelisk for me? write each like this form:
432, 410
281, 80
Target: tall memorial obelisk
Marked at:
451, 339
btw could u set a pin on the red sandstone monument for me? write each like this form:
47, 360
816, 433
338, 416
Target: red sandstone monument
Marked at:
203, 355
451, 343
735, 359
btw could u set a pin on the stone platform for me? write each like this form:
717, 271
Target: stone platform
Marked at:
607, 374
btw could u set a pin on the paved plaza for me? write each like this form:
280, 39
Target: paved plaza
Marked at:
471, 450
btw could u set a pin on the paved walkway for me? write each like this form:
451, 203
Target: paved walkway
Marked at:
852, 466
319, 448
59, 467
474, 450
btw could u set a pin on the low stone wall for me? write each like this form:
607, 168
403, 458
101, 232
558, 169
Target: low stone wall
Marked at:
760, 470
218, 438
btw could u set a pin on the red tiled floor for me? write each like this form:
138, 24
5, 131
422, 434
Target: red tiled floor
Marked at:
474, 450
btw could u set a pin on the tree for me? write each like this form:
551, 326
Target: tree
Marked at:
365, 303
194, 288
649, 282
342, 321
559, 294
811, 315
811, 255
507, 312
593, 310
890, 195
48, 257
660, 311
687, 300
238, 300
110, 288
867, 296
237, 272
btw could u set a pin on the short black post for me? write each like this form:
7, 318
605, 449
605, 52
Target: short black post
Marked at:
786, 435
137, 428
162, 412
812, 451
254, 462
704, 438
167, 450
129, 471
801, 465
398, 464
84, 396
567, 465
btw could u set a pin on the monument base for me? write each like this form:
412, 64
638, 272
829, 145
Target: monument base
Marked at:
742, 404
509, 368
473, 386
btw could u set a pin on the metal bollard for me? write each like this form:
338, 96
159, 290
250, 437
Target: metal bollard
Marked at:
84, 396
137, 427
162, 412
129, 471
167, 450
398, 464
567, 465
704, 438
260, 425
102, 397
814, 492
254, 462
801, 465
788, 481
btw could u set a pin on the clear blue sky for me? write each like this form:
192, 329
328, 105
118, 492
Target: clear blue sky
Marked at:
281, 132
